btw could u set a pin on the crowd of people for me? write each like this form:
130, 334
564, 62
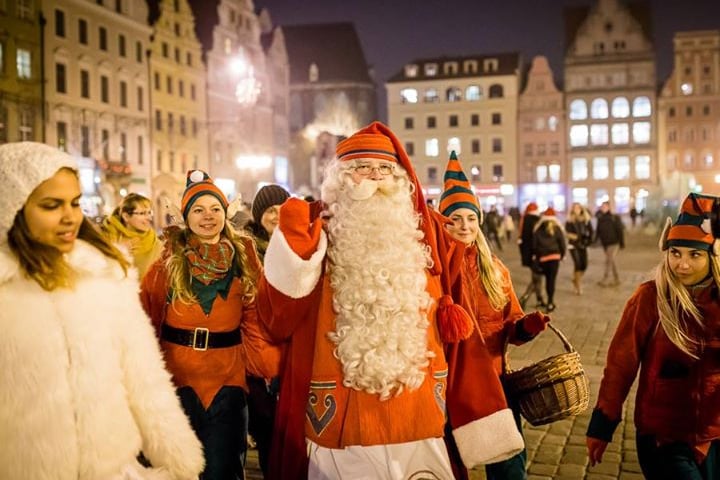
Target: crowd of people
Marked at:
357, 336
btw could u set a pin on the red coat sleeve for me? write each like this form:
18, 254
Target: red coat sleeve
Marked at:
153, 294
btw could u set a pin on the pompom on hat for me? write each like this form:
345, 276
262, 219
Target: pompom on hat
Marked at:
199, 183
23, 167
266, 197
693, 227
457, 192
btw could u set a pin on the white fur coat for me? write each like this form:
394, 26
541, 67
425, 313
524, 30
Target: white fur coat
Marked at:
83, 387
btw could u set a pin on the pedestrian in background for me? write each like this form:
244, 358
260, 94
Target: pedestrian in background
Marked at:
83, 384
611, 233
549, 246
489, 297
200, 296
508, 226
131, 227
491, 226
670, 331
579, 230
263, 391
525, 243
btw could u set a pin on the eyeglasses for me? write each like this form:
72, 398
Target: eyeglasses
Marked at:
366, 169
143, 213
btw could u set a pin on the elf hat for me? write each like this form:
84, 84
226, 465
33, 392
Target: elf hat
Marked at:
693, 226
532, 207
549, 212
457, 192
199, 183
23, 167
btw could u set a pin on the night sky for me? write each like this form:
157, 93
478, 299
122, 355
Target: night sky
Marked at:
393, 32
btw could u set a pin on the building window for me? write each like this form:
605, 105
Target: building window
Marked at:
102, 32
62, 136
473, 93
475, 173
59, 23
599, 134
620, 108
453, 121
432, 174
123, 147
24, 9
671, 112
171, 122
578, 135
497, 173
601, 169
121, 45
156, 78
552, 123
140, 150
84, 84
528, 149
140, 98
105, 137
475, 146
409, 95
181, 88
599, 108
431, 69
192, 91
118, 6
497, 146
60, 79
168, 84
496, 91
620, 134
123, 94
158, 161
24, 63
642, 107
409, 123
194, 127
621, 168
689, 111
474, 119
554, 172
25, 124
453, 94
579, 169
177, 55
641, 132
188, 59
158, 120
431, 122
432, 147
541, 172
138, 52
85, 141
410, 148
454, 145
541, 149
580, 195
104, 89
82, 31
642, 167
496, 118
3, 125
578, 110
183, 131
165, 50
177, 29
706, 110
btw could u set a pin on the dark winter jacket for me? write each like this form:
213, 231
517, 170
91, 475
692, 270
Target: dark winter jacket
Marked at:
526, 238
583, 231
549, 245
610, 230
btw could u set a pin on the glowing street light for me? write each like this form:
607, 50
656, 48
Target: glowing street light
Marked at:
247, 87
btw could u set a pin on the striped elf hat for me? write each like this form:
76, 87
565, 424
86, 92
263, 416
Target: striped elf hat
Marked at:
199, 183
693, 227
458, 193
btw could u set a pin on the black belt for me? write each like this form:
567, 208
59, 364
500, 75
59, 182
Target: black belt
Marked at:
201, 338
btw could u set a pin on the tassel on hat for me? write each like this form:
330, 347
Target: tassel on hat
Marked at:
197, 184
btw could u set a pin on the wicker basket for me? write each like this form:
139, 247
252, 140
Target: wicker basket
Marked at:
549, 390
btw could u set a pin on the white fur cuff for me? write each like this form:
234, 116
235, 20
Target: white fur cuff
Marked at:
287, 272
489, 440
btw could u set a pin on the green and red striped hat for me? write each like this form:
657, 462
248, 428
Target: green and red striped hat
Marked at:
199, 183
458, 193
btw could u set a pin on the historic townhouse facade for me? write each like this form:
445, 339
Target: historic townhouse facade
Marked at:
467, 104
97, 94
689, 117
20, 71
542, 161
610, 100
178, 104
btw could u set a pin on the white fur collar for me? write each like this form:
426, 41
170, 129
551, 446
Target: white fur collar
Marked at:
85, 259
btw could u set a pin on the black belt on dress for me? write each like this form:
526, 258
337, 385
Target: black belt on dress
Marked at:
200, 338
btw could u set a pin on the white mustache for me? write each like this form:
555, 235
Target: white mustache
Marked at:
367, 188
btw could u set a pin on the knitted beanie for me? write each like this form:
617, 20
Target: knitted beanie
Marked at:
266, 197
23, 167
199, 183
457, 192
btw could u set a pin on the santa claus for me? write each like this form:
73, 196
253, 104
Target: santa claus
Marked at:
353, 286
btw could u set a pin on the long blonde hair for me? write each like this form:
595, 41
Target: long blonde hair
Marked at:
673, 299
491, 277
583, 216
178, 267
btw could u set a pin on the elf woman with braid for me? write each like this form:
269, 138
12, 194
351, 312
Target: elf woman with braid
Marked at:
201, 298
670, 330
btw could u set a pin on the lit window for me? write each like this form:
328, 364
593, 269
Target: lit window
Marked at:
599, 134
622, 199
620, 108
578, 110
26, 123
686, 88
473, 93
454, 144
431, 69
599, 108
642, 107
708, 160
554, 172
228, 46
409, 95
580, 195
411, 70
621, 168
432, 147
475, 173
24, 9
431, 95
24, 68
620, 134
689, 160
453, 94
540, 123
578, 135
541, 172
579, 169
641, 132
601, 169
642, 166
552, 123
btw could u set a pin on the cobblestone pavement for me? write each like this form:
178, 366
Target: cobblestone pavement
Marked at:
557, 451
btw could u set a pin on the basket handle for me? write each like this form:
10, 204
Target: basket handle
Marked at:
506, 357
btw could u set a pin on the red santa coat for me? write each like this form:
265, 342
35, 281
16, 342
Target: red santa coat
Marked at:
295, 303
678, 397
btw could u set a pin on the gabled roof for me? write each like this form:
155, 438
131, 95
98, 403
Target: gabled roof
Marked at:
576, 16
507, 64
334, 47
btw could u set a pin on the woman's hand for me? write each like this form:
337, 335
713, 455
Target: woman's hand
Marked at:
596, 449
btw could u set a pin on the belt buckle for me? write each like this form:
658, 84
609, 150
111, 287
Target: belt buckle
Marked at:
203, 334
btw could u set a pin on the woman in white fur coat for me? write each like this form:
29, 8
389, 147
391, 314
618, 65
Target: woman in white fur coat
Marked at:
83, 388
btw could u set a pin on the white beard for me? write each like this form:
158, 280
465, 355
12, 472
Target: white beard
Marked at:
379, 281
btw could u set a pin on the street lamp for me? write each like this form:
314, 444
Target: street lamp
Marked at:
247, 87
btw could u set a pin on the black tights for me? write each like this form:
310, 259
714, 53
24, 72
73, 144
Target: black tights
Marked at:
550, 271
